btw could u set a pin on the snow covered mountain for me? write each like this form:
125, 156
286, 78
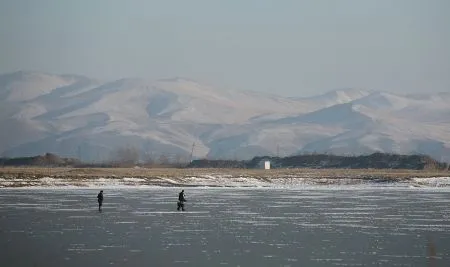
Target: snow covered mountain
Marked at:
75, 116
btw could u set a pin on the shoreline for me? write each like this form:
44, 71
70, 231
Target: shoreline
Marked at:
11, 177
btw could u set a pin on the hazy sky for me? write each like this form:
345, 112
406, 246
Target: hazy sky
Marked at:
294, 48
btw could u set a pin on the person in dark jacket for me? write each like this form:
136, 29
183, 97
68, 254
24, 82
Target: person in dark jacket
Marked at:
100, 200
181, 200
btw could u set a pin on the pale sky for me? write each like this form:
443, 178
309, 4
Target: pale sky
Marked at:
292, 48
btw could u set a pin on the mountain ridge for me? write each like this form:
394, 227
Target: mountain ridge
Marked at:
77, 116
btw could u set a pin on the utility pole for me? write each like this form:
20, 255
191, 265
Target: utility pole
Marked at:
278, 150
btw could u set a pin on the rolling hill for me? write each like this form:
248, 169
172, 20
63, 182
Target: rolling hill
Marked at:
76, 116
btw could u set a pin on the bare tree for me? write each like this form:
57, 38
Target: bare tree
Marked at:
126, 156
180, 160
163, 159
148, 159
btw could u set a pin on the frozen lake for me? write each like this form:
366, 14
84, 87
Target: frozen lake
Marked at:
226, 227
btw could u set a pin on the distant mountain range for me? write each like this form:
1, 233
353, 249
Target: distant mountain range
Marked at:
76, 116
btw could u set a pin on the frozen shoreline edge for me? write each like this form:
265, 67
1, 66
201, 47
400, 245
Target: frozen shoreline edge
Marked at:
210, 181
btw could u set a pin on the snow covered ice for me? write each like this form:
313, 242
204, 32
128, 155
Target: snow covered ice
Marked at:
222, 180
308, 226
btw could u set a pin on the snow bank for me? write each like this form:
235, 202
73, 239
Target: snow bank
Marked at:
432, 181
214, 180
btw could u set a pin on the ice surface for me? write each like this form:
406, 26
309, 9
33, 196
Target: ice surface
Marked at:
311, 226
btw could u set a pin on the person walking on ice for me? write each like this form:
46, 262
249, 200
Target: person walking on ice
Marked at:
100, 200
181, 200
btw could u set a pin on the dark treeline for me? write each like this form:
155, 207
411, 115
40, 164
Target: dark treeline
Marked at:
47, 160
52, 160
318, 161
322, 161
